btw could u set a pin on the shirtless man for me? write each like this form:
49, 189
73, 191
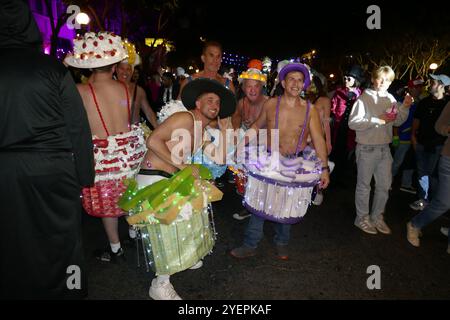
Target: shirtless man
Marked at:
205, 100
212, 59
249, 108
292, 111
108, 109
138, 97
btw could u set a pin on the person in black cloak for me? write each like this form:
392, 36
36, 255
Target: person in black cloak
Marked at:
45, 159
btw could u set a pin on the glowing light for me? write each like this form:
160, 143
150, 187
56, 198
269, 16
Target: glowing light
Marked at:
433, 66
82, 18
331, 75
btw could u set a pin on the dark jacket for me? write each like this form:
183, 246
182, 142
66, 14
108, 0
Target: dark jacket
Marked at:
45, 158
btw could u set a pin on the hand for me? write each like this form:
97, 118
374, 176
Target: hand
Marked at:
324, 179
195, 171
408, 101
223, 124
387, 117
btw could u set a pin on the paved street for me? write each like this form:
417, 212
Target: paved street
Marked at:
329, 258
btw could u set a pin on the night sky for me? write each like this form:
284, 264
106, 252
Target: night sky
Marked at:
288, 28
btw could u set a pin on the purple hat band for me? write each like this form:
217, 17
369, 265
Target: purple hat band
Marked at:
290, 67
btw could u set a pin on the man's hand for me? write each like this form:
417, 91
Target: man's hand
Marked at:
387, 118
324, 179
195, 171
408, 101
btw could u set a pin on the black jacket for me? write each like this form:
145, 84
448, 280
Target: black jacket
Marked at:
45, 158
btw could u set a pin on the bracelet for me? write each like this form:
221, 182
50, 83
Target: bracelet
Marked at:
326, 168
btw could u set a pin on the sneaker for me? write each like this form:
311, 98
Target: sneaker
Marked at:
198, 265
243, 214
162, 291
412, 234
381, 226
365, 225
282, 252
108, 256
444, 231
418, 205
243, 252
408, 189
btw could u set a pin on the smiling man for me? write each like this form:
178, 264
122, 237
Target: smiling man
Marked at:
294, 120
212, 60
205, 100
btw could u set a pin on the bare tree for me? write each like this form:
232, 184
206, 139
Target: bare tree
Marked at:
410, 55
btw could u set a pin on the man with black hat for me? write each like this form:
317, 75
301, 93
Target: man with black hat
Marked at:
205, 99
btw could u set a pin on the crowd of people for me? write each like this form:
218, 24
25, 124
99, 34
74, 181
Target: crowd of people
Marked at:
63, 140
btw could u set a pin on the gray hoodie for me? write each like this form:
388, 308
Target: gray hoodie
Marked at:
364, 117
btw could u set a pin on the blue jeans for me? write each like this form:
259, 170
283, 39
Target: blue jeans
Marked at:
399, 157
426, 163
372, 161
441, 200
255, 232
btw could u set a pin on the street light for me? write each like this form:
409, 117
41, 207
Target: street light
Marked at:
82, 18
433, 66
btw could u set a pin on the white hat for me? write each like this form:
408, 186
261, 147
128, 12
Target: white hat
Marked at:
180, 72
96, 50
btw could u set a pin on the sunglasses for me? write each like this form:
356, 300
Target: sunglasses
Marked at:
348, 78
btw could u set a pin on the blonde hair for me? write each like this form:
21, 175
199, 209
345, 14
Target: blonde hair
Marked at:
386, 70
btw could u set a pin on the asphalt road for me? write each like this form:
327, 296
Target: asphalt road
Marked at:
329, 258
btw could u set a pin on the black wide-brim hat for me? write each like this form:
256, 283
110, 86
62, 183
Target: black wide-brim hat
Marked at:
356, 72
195, 88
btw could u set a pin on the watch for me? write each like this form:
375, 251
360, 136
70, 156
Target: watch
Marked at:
326, 168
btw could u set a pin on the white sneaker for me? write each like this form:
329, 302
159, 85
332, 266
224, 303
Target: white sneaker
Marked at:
198, 265
381, 225
365, 225
162, 291
444, 231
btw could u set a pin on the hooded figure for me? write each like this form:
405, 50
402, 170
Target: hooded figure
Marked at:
46, 156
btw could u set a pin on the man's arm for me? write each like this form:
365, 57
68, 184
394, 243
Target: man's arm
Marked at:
156, 142
442, 125
236, 119
78, 131
403, 110
147, 109
315, 129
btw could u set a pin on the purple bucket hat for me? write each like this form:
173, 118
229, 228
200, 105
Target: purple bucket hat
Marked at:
294, 66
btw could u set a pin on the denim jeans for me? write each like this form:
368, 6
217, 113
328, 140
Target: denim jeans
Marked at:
255, 232
426, 163
399, 157
441, 200
372, 161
